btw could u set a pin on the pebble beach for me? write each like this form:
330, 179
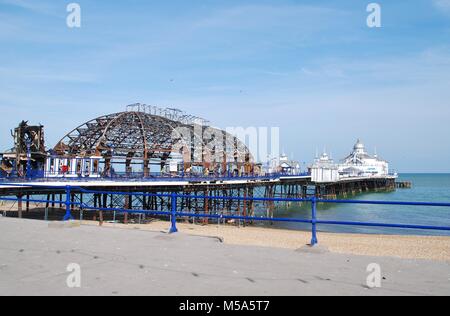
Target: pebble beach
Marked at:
406, 247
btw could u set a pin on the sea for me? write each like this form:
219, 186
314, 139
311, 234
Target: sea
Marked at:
426, 188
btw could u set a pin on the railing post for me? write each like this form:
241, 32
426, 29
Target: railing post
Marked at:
68, 203
173, 228
314, 240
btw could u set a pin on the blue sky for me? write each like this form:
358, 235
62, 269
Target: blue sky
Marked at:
312, 68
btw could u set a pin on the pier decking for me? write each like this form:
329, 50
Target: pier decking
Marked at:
343, 186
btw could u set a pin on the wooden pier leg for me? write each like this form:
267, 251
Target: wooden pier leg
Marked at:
128, 206
100, 218
230, 201
72, 199
224, 202
206, 206
252, 203
104, 205
95, 206
28, 203
239, 207
19, 205
245, 206
144, 201
189, 202
271, 204
81, 206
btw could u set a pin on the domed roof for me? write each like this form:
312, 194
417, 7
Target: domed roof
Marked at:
325, 157
135, 134
359, 145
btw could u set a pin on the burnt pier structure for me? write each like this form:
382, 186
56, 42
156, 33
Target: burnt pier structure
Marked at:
202, 197
134, 160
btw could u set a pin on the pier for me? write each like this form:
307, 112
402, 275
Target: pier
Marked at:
134, 160
404, 185
154, 194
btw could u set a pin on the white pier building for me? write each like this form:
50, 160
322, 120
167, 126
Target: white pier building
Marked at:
324, 170
359, 164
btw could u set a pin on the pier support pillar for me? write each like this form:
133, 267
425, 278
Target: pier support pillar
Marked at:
128, 206
28, 203
19, 205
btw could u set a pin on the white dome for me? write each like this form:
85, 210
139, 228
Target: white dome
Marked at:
359, 145
324, 157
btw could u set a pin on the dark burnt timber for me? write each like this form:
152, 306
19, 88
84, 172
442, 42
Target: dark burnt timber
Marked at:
28, 141
404, 185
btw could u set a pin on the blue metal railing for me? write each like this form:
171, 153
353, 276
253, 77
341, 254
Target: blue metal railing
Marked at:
174, 213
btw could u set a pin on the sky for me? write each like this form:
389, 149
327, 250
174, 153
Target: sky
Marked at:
312, 68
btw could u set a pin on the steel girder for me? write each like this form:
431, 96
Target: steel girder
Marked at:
140, 135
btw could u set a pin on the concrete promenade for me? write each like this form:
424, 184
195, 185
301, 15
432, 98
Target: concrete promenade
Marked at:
34, 257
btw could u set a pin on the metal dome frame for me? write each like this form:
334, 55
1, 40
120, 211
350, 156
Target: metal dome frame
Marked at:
137, 134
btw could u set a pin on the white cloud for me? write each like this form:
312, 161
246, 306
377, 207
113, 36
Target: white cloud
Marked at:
255, 16
39, 75
429, 65
32, 6
40, 7
443, 5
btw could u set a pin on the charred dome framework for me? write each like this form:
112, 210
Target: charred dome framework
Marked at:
147, 133
29, 147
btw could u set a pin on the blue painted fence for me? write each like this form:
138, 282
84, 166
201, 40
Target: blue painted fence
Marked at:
175, 214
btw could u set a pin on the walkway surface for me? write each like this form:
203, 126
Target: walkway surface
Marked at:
34, 257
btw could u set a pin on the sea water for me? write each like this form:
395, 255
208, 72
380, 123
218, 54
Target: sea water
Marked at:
426, 188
